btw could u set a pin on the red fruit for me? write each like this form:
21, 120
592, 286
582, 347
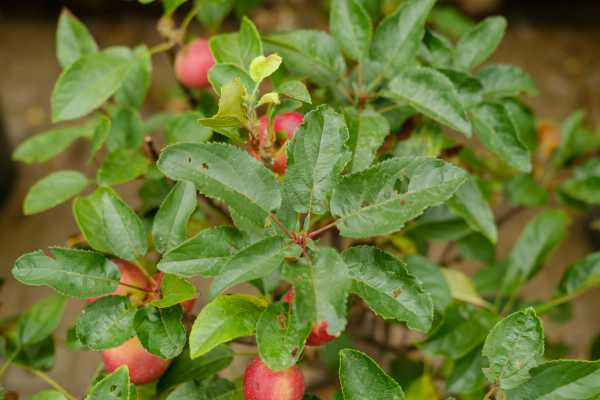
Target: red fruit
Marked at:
187, 305
193, 62
287, 123
133, 276
318, 335
261, 383
143, 367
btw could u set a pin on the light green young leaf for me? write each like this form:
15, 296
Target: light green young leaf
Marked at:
71, 272
496, 131
121, 166
53, 190
269, 98
351, 26
41, 320
87, 84
433, 94
462, 287
222, 172
311, 54
469, 204
225, 318
368, 131
295, 90
73, 40
479, 43
368, 203
580, 276
48, 395
361, 378
253, 262
203, 254
106, 323
422, 388
262, 67
561, 379
46, 145
383, 282
537, 240
223, 73
100, 135
169, 228
506, 81
135, 87
161, 331
513, 347
280, 337
316, 156
398, 37
115, 386
231, 112
463, 328
174, 290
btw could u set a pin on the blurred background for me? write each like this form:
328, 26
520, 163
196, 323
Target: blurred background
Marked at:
558, 42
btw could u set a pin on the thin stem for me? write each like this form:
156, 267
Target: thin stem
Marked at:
9, 361
544, 308
322, 229
51, 382
137, 287
282, 227
489, 395
389, 108
509, 215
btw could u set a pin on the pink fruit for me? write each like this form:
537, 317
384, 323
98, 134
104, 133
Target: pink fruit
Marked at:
193, 62
261, 383
318, 335
287, 123
130, 275
143, 367
187, 305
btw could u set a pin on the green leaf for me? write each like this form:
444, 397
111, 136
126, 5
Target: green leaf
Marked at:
221, 74
87, 84
237, 48
279, 337
73, 40
174, 290
184, 369
469, 89
46, 145
253, 262
262, 67
584, 185
212, 12
422, 388
316, 156
171, 5
506, 81
161, 331
135, 87
368, 131
532, 248
169, 228
295, 90
463, 328
496, 131
479, 43
222, 172
203, 254
398, 37
100, 135
40, 356
126, 129
432, 94
213, 389
427, 140
115, 386
368, 203
185, 128
361, 378
432, 279
71, 272
436, 50
383, 282
525, 191
580, 276
524, 121
562, 379
352, 28
225, 318
470, 204
570, 130
467, 375
121, 166
462, 287
513, 347
311, 54
41, 320
53, 190
106, 323
48, 395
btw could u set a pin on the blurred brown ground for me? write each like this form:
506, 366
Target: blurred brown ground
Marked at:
564, 60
